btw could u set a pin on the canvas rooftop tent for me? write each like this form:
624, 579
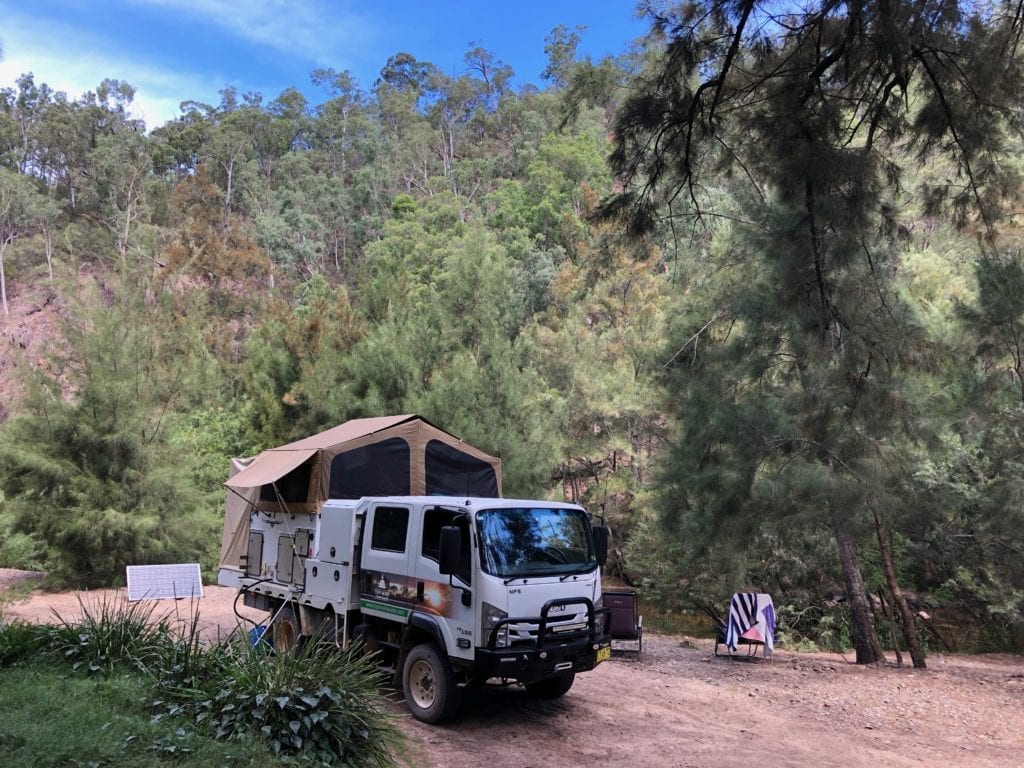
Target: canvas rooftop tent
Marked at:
381, 456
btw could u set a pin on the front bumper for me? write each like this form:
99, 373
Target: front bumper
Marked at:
554, 651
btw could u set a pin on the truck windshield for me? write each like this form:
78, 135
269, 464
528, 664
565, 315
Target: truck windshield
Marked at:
535, 541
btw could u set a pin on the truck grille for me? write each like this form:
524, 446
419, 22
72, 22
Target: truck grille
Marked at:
568, 627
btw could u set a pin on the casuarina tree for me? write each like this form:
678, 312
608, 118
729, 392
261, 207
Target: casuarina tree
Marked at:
785, 133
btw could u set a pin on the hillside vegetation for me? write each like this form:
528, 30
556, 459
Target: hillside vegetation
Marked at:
752, 292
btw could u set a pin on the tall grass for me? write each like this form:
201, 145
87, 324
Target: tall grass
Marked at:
112, 632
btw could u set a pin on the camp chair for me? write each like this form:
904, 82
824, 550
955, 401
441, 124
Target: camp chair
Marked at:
721, 630
625, 622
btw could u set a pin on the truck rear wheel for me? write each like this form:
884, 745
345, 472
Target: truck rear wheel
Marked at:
286, 632
429, 684
552, 688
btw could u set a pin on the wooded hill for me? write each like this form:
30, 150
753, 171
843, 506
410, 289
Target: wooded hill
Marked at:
752, 292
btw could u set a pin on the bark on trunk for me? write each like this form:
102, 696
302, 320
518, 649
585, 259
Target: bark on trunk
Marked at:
865, 639
3, 282
891, 620
906, 617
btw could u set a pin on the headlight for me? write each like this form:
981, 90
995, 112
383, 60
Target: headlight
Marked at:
491, 617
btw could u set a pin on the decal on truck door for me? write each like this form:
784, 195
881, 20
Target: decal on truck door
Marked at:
386, 591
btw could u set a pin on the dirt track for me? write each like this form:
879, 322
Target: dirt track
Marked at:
679, 705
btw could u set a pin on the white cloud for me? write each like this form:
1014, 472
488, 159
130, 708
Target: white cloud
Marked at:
315, 29
75, 61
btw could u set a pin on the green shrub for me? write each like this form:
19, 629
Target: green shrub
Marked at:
324, 705
811, 627
21, 551
21, 641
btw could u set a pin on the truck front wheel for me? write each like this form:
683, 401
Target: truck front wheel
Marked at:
429, 684
552, 688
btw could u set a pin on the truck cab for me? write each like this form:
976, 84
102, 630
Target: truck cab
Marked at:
449, 591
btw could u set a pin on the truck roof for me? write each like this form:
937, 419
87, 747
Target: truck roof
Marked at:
468, 502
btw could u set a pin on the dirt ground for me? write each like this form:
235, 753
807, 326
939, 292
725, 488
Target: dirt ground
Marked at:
678, 705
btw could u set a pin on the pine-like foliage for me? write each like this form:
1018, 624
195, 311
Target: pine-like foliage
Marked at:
799, 374
92, 477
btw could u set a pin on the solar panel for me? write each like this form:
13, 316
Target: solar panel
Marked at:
159, 582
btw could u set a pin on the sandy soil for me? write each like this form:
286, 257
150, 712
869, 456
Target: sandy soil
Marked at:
679, 705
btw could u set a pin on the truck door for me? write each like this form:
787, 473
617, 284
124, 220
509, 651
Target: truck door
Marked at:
388, 589
450, 600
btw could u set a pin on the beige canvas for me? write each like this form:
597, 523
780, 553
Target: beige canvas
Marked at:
248, 476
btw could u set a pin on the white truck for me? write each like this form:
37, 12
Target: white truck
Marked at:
451, 591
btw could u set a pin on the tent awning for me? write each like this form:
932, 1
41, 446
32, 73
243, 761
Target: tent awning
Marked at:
269, 467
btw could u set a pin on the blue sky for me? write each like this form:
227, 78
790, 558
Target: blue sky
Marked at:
173, 50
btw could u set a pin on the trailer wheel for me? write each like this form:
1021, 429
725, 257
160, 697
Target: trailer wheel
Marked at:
552, 688
429, 684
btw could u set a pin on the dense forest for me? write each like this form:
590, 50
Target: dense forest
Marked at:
753, 292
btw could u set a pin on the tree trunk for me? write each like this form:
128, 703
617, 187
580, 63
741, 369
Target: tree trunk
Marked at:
229, 169
906, 617
891, 620
865, 639
3, 280
48, 240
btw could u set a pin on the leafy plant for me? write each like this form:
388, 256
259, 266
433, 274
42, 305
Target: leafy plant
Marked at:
323, 705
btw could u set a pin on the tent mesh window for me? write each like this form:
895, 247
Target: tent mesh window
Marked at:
378, 469
450, 472
293, 487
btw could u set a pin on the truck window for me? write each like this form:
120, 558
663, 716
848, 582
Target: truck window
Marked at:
535, 541
390, 525
433, 521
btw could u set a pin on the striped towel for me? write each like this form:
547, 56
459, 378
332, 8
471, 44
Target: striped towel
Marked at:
751, 617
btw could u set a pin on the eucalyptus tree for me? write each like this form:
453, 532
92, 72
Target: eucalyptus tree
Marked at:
347, 151
23, 210
560, 46
21, 110
122, 173
793, 381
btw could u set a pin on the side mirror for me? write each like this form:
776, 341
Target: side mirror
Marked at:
451, 546
601, 544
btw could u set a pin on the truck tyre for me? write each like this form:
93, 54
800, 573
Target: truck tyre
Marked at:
552, 688
429, 684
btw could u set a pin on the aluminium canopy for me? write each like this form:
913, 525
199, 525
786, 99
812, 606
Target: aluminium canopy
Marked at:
380, 456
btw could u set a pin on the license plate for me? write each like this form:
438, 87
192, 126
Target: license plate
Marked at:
603, 654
